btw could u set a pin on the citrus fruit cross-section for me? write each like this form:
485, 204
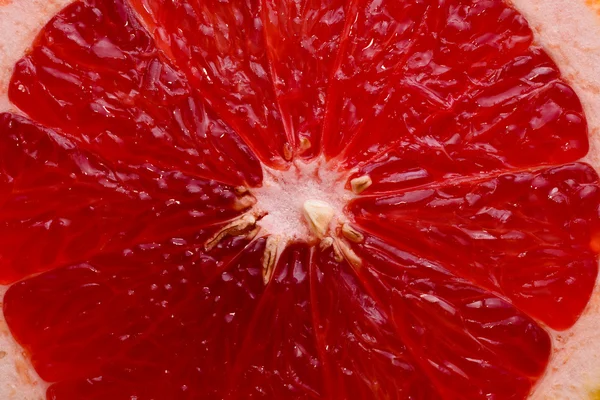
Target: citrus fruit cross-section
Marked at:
261, 199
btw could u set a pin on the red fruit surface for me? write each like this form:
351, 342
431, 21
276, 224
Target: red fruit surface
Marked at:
140, 121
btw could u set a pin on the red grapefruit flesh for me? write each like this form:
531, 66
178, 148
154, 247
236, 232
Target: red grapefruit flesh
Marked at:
261, 199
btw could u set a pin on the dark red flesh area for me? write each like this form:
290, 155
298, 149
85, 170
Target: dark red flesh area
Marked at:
139, 119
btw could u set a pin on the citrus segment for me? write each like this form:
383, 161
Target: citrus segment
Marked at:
221, 48
519, 115
302, 43
376, 38
160, 319
73, 205
475, 89
472, 42
96, 75
361, 351
529, 235
469, 342
280, 359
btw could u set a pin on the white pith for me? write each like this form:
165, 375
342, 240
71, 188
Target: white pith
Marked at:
570, 32
288, 198
304, 203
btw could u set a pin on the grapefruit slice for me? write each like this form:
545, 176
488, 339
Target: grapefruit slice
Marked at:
267, 199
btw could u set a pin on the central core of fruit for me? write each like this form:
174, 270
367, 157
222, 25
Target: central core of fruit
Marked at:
304, 203
301, 203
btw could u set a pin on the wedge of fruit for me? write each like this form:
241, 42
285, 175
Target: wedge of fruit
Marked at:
295, 200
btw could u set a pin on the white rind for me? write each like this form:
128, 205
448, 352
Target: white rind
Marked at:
284, 195
18, 380
570, 32
20, 22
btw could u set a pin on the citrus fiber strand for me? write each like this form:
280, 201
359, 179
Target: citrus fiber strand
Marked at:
328, 386
350, 14
285, 119
301, 40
